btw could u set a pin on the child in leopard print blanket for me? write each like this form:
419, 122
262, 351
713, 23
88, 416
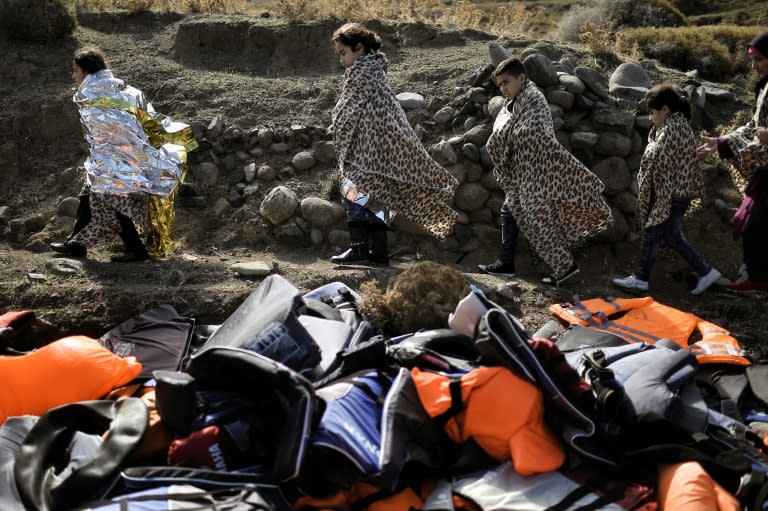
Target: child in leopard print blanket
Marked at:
551, 197
670, 177
385, 170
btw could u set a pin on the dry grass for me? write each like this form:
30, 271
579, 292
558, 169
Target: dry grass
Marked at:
716, 50
192, 6
504, 18
422, 296
598, 39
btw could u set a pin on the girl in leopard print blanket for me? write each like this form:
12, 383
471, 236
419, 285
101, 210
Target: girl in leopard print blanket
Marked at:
670, 177
551, 197
384, 167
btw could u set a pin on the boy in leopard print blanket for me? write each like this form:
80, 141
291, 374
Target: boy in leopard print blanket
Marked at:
384, 168
551, 197
670, 177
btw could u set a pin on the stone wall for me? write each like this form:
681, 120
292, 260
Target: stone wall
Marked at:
595, 117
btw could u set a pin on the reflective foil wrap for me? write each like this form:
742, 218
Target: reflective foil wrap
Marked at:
133, 149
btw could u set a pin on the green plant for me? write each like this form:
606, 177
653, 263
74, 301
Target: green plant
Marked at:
716, 52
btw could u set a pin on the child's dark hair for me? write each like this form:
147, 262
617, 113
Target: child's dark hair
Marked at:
352, 34
665, 94
90, 59
512, 65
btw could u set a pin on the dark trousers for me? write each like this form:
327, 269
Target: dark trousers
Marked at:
509, 233
755, 243
357, 213
670, 231
83, 214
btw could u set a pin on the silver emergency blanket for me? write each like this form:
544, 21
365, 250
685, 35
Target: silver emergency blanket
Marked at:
132, 147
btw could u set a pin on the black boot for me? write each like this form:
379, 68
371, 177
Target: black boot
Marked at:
135, 250
356, 253
358, 246
69, 248
379, 253
82, 218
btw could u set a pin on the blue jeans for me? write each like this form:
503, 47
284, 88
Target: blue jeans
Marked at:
670, 231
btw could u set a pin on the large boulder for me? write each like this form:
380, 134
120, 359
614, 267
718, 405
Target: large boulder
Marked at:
279, 205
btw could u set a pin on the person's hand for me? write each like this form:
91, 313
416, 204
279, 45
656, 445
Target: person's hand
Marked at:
709, 146
762, 135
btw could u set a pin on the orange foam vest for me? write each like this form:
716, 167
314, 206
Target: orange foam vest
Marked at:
65, 371
646, 320
501, 411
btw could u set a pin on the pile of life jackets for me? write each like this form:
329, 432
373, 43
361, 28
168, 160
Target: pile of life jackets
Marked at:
294, 402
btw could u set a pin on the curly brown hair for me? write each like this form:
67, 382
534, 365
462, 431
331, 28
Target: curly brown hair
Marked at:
420, 297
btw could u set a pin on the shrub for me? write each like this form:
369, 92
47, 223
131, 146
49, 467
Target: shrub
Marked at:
36, 20
613, 15
597, 39
514, 19
647, 13
717, 52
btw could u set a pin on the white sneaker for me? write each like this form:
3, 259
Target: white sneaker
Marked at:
706, 281
632, 283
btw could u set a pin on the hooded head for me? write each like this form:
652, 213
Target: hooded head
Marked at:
759, 45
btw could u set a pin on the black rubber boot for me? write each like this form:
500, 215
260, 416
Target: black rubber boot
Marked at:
69, 248
379, 253
82, 218
358, 246
356, 253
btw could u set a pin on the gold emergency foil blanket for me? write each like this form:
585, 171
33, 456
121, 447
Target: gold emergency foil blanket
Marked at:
134, 149
162, 211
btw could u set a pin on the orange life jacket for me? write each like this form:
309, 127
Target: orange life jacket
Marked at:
646, 320
501, 411
687, 486
70, 369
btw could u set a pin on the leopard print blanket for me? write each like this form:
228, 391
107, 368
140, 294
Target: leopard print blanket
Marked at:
381, 154
669, 169
555, 199
751, 155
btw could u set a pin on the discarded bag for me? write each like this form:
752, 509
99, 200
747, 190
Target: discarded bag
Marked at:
267, 323
48, 479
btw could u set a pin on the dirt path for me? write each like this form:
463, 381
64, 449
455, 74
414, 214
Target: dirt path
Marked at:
36, 115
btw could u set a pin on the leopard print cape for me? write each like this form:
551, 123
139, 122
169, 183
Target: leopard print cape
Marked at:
669, 169
751, 154
381, 154
556, 200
